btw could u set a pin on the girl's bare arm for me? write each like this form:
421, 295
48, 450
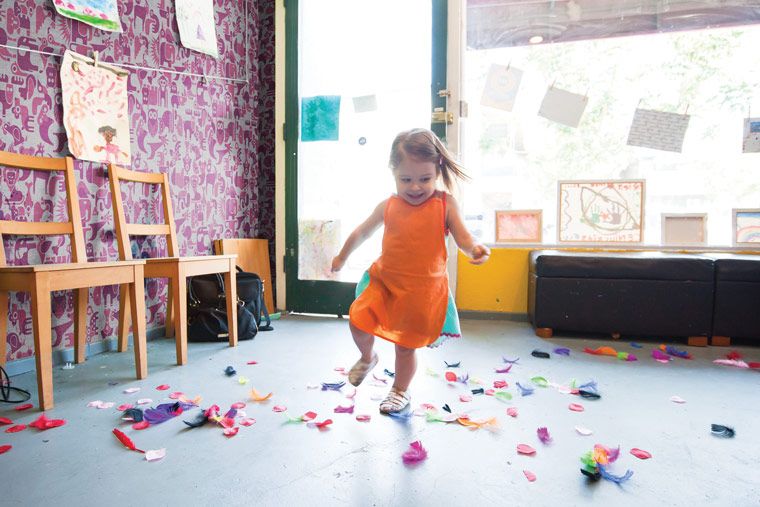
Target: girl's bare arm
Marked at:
359, 236
477, 252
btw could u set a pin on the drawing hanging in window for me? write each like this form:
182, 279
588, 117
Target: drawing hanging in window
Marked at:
600, 211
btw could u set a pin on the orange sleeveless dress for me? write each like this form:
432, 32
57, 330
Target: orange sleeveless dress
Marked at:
408, 292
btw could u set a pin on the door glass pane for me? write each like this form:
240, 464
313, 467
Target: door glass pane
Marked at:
364, 76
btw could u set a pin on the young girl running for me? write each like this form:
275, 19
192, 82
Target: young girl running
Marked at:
404, 297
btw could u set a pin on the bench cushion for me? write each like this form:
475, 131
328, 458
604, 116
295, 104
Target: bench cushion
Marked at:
627, 266
737, 268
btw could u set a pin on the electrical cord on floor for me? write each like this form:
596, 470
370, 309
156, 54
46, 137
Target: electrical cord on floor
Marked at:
6, 389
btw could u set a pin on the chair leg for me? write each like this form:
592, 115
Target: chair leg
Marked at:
80, 324
179, 291
230, 285
41, 324
3, 326
137, 302
124, 316
169, 326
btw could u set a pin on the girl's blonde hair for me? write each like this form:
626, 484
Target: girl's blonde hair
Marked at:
424, 146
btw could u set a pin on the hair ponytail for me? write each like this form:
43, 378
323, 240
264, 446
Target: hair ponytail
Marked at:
423, 145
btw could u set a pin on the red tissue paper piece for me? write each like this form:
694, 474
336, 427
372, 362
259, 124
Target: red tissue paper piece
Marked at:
140, 425
25, 406
500, 384
576, 407
5, 420
525, 449
451, 376
5, 448
530, 475
16, 428
226, 422
252, 362
754, 366
125, 406
126, 441
512, 412
231, 432
641, 454
733, 355
43, 423
324, 423
308, 416
162, 387
415, 454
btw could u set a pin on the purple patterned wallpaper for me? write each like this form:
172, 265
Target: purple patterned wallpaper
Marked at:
214, 138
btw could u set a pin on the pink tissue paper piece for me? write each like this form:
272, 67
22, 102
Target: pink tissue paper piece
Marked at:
464, 398
176, 395
131, 390
512, 412
576, 407
530, 475
583, 431
279, 408
162, 387
238, 405
415, 454
363, 417
344, 410
144, 401
248, 421
525, 449
732, 362
640, 453
124, 406
231, 432
677, 399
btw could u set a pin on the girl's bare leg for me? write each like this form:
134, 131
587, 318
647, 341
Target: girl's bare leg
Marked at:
406, 366
364, 342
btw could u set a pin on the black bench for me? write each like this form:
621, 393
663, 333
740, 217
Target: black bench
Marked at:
737, 298
650, 294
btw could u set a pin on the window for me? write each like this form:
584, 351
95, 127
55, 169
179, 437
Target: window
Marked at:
516, 157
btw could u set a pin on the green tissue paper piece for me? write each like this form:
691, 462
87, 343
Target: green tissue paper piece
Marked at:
320, 118
502, 395
540, 381
623, 356
588, 461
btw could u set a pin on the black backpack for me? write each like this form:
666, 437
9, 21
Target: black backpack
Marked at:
207, 307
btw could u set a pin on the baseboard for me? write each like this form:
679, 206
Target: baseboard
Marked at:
63, 356
471, 314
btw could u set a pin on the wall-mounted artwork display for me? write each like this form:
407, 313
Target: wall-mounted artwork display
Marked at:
751, 139
658, 130
518, 226
95, 110
320, 118
684, 229
501, 87
746, 227
600, 211
365, 103
197, 27
103, 14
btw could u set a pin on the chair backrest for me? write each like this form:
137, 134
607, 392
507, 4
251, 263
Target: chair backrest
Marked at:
72, 228
124, 229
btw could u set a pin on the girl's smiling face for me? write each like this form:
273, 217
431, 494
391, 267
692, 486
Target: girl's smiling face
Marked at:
415, 180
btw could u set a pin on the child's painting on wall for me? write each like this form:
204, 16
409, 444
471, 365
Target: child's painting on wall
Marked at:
197, 28
95, 110
103, 14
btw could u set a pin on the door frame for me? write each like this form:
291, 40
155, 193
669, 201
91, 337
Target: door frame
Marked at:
327, 296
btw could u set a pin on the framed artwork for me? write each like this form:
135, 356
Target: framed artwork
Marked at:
746, 226
518, 226
684, 229
600, 211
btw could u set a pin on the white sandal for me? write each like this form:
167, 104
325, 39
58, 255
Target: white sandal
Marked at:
360, 369
395, 402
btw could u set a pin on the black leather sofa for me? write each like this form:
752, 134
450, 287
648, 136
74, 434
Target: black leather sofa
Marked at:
737, 298
649, 294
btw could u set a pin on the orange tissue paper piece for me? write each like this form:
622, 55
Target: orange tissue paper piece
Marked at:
256, 396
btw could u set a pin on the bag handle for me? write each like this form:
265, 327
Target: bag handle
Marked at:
194, 301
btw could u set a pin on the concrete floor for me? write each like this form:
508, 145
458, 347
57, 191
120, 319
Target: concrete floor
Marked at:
354, 463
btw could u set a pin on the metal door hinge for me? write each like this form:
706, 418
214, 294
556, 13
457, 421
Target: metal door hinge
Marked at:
442, 117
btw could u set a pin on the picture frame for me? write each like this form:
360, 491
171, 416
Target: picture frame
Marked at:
745, 228
518, 226
684, 229
600, 211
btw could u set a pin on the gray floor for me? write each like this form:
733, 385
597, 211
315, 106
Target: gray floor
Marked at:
354, 463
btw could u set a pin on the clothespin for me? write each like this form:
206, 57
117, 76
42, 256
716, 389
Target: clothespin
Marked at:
95, 55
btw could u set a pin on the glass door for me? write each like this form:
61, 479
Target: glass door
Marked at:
358, 72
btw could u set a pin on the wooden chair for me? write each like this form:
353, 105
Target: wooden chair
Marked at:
253, 257
174, 267
41, 280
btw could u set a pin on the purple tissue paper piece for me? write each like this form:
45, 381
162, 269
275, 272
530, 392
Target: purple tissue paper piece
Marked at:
562, 351
543, 435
